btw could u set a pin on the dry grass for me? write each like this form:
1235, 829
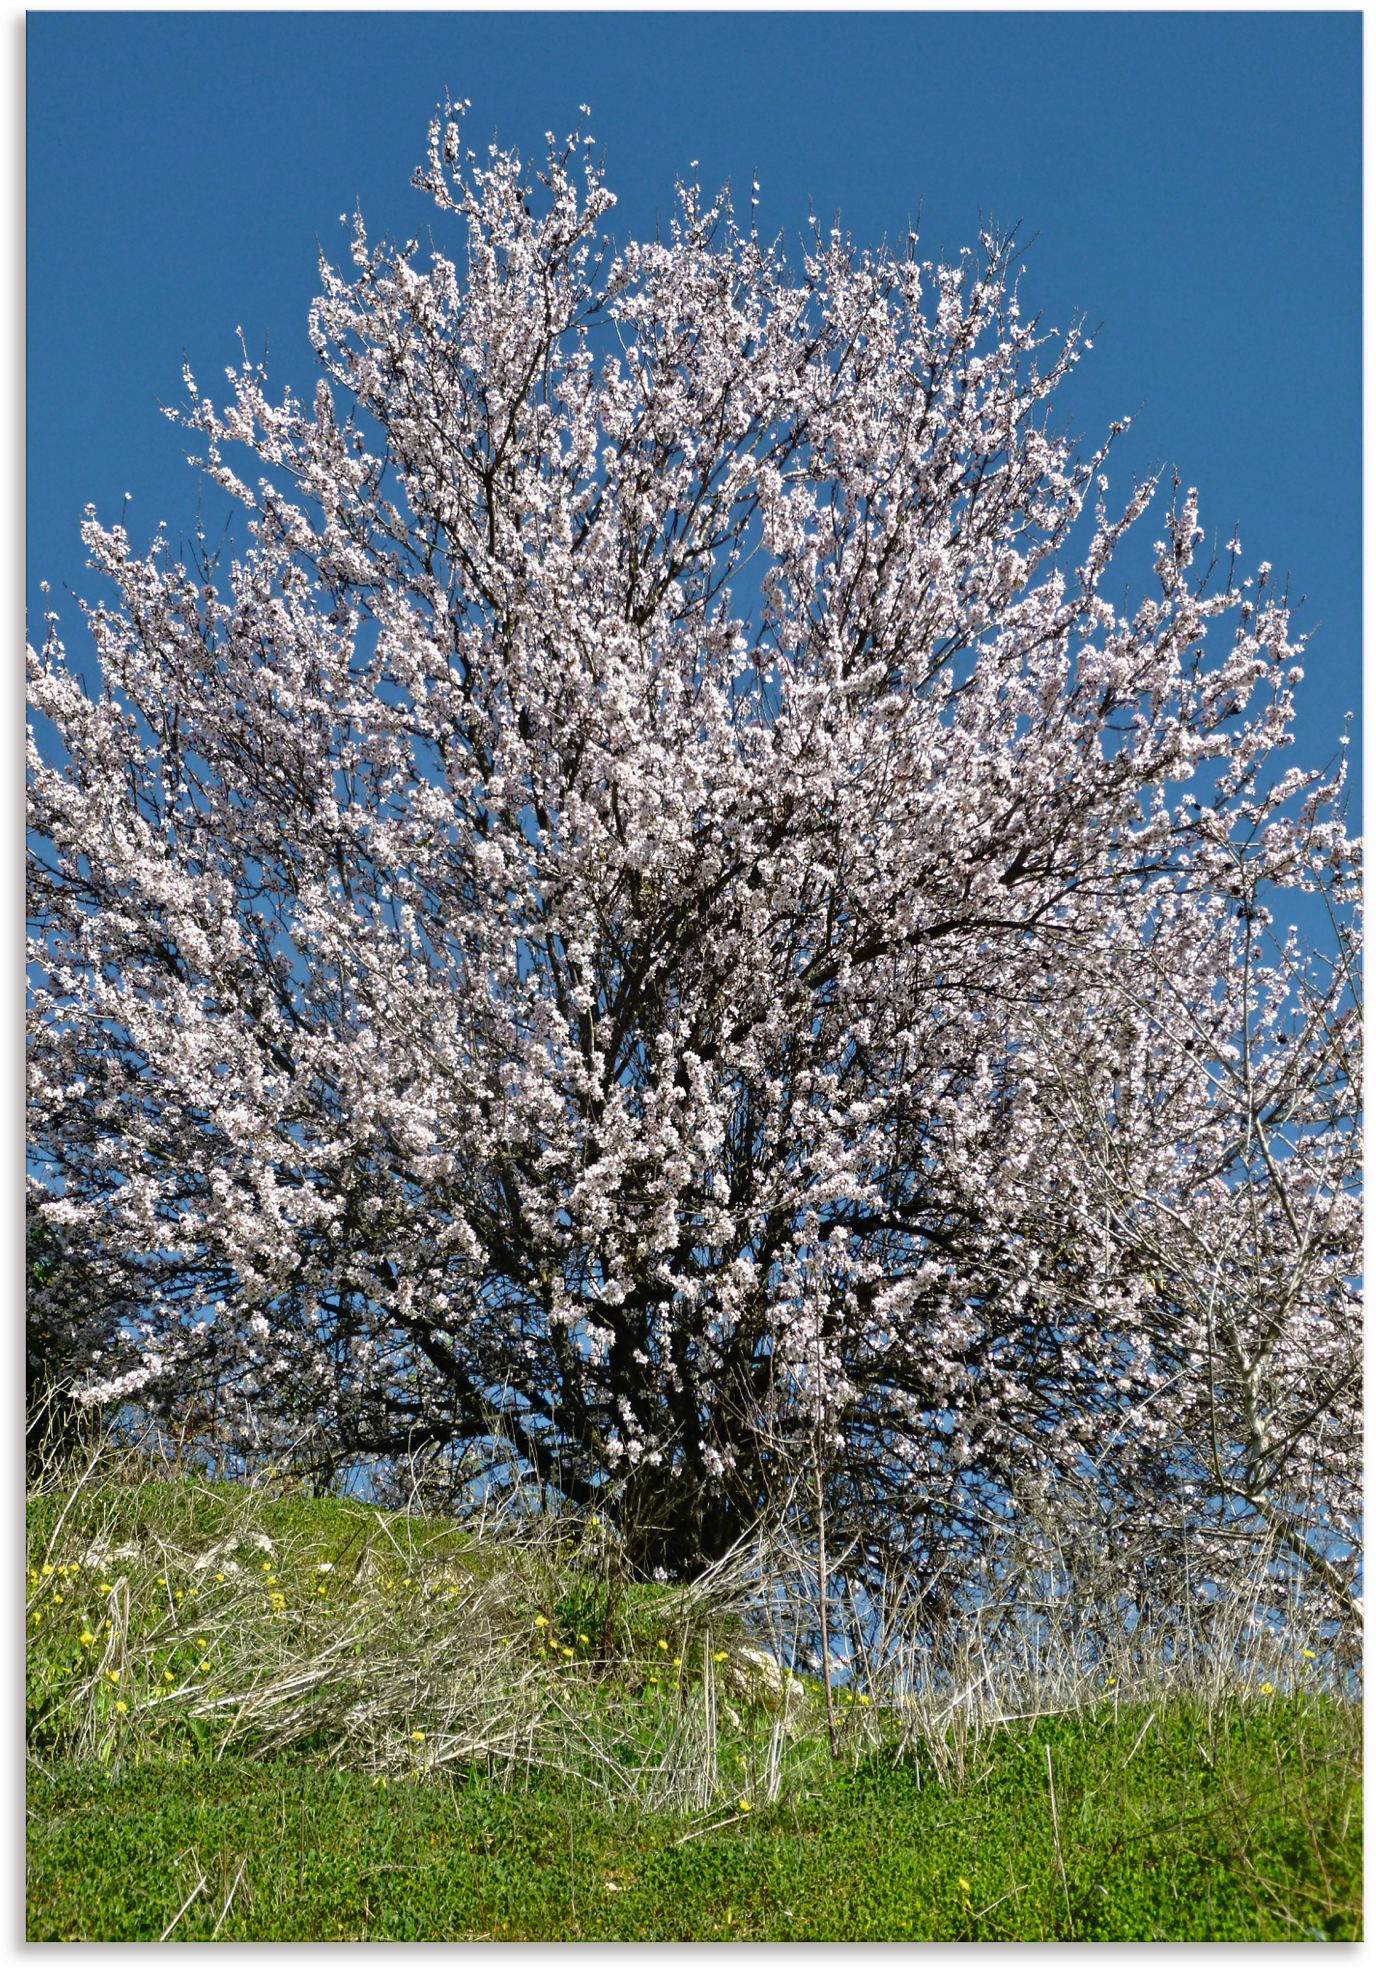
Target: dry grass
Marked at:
172, 1614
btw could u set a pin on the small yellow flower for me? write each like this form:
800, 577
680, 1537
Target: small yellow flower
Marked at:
1112, 1681
112, 1676
219, 1578
47, 1571
720, 1654
203, 1666
743, 1804
583, 1639
567, 1652
57, 1598
322, 1590
267, 1564
168, 1675
202, 1642
277, 1601
88, 1639
1308, 1653
418, 1735
663, 1646
453, 1592
540, 1620
964, 1886
1267, 1689
863, 1700
36, 1619
106, 1588
121, 1708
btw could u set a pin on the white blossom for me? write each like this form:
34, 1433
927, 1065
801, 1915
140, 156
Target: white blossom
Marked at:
662, 905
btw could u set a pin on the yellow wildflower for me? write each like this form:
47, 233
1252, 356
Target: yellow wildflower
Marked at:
1308, 1653
168, 1675
121, 1708
720, 1654
418, 1735
663, 1646
1267, 1689
964, 1886
88, 1639
743, 1804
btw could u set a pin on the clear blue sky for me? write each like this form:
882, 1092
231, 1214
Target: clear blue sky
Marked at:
1193, 182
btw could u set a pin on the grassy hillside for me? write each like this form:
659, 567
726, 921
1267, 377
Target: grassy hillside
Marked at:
258, 1718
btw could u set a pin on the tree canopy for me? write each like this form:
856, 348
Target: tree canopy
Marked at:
658, 924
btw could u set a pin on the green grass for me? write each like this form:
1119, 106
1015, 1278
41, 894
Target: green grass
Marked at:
1235, 1827
478, 1735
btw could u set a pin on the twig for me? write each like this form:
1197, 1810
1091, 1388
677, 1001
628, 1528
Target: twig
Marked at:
1056, 1834
1140, 1734
224, 1910
199, 1887
714, 1824
999, 1901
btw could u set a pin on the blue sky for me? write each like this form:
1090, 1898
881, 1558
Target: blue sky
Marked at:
1188, 182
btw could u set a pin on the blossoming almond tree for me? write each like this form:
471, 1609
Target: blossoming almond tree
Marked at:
1211, 1127
565, 945
1250, 1223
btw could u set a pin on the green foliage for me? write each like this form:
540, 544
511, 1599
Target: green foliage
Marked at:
288, 1718
1237, 1827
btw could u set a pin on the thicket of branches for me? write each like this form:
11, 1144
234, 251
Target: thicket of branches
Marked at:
659, 929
